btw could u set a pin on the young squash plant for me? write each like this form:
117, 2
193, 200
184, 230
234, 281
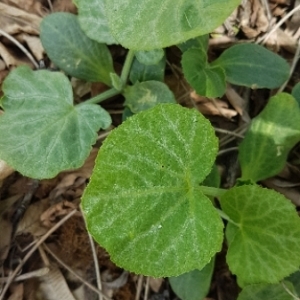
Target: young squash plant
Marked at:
149, 202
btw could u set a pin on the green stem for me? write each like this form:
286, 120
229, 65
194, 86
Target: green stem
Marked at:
211, 191
124, 76
226, 217
103, 96
127, 66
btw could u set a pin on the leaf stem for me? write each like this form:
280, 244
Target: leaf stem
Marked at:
226, 217
212, 191
127, 66
124, 76
103, 96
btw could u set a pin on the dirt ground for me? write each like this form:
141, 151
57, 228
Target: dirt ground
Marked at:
45, 250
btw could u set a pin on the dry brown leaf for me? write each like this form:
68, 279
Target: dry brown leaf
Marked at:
5, 170
214, 107
53, 286
6, 232
238, 103
64, 5
33, 43
14, 20
17, 291
155, 283
48, 217
31, 6
253, 19
31, 223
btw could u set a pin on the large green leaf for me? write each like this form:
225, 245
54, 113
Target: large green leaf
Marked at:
144, 204
267, 292
253, 66
151, 57
193, 285
206, 80
93, 21
296, 92
200, 42
42, 133
153, 24
72, 51
264, 242
272, 134
144, 95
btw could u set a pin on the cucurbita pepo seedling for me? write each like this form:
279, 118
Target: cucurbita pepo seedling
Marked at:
149, 202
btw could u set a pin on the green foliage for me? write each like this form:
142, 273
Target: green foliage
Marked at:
147, 202
262, 249
147, 25
155, 220
267, 291
72, 51
42, 132
271, 136
193, 285
93, 20
206, 80
296, 92
253, 66
144, 95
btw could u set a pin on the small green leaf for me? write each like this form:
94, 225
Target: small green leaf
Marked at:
144, 204
151, 57
253, 66
144, 95
72, 51
295, 280
206, 80
296, 92
147, 25
267, 292
264, 243
200, 42
193, 285
42, 133
116, 81
272, 134
93, 21
141, 72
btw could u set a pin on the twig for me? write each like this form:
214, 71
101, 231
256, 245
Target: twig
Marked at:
267, 35
139, 287
74, 273
293, 66
147, 288
22, 48
36, 273
97, 270
229, 132
221, 152
33, 249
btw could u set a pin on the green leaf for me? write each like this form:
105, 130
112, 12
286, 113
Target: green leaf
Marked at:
272, 134
144, 95
147, 25
193, 285
151, 57
266, 291
116, 81
144, 204
200, 42
93, 21
42, 133
206, 80
295, 280
265, 238
72, 51
141, 72
253, 66
296, 92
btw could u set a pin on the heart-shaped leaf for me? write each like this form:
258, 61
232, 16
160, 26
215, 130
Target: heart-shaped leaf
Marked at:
147, 25
265, 239
206, 80
253, 66
72, 51
42, 133
144, 204
271, 136
144, 95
